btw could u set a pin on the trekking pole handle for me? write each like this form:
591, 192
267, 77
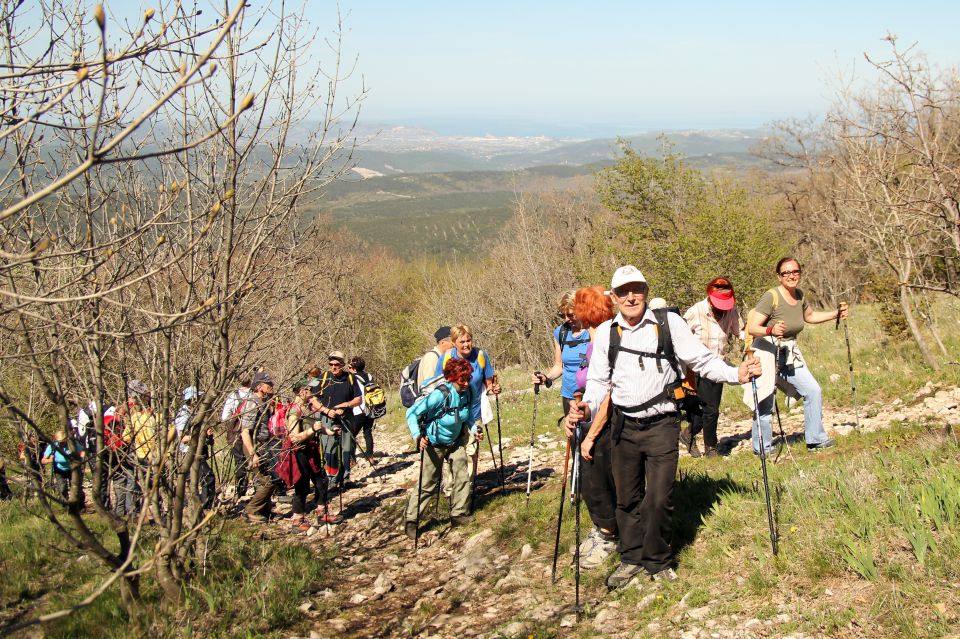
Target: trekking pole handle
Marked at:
839, 306
536, 386
748, 354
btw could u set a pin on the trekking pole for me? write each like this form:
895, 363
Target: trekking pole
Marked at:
853, 381
493, 457
326, 502
533, 430
416, 536
563, 494
576, 519
436, 509
763, 459
496, 399
473, 487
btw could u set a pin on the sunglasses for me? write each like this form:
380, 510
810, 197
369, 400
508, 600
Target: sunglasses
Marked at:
338, 364
790, 273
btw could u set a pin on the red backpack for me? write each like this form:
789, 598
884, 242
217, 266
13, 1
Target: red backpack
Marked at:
111, 439
277, 425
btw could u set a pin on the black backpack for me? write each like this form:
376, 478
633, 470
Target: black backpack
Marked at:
673, 390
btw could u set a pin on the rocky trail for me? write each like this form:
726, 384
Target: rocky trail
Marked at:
466, 582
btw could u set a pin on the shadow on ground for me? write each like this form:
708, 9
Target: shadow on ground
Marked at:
693, 497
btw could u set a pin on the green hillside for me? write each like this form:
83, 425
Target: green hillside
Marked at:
413, 226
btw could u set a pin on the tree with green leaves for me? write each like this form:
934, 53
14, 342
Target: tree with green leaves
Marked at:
682, 228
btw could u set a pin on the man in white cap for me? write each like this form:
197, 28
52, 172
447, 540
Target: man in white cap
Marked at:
642, 377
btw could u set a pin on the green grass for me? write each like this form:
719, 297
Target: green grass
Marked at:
874, 521
249, 587
884, 369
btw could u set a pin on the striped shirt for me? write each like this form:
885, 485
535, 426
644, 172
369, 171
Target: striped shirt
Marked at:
632, 385
714, 334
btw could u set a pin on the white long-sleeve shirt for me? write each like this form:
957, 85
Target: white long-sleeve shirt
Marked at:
632, 385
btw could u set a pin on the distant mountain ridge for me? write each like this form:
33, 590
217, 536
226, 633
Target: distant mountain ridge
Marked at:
392, 150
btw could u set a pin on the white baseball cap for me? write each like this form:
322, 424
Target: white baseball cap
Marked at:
625, 275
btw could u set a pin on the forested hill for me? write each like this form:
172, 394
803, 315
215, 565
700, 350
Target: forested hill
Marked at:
409, 193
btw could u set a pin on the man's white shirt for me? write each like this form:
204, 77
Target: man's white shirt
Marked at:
632, 385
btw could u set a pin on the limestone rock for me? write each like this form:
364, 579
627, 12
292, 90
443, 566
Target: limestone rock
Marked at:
525, 552
699, 614
515, 629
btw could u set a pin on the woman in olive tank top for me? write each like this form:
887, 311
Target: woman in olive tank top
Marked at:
781, 315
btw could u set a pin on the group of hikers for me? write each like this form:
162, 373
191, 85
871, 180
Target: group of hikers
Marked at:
308, 442
630, 368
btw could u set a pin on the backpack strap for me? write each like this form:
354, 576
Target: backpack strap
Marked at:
565, 333
665, 351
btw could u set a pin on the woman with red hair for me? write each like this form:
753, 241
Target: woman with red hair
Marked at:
592, 307
716, 322
440, 425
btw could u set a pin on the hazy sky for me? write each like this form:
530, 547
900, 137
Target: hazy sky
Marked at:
601, 68
632, 64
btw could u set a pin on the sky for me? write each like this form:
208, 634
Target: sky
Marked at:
602, 68
625, 65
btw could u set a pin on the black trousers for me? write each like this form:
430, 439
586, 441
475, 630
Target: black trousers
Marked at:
644, 469
364, 424
703, 410
301, 489
599, 491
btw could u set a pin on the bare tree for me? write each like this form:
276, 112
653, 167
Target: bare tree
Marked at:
152, 230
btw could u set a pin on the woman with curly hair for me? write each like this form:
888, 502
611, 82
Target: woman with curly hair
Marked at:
440, 425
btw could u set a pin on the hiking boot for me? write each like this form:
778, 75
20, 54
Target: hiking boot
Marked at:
460, 520
667, 574
299, 523
329, 518
710, 451
410, 529
690, 441
830, 443
623, 574
255, 518
595, 549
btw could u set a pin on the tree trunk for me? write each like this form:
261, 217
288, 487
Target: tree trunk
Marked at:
915, 329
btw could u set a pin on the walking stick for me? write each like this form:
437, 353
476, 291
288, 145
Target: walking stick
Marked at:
416, 536
499, 436
326, 502
473, 488
563, 493
853, 381
493, 457
576, 520
533, 430
763, 459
